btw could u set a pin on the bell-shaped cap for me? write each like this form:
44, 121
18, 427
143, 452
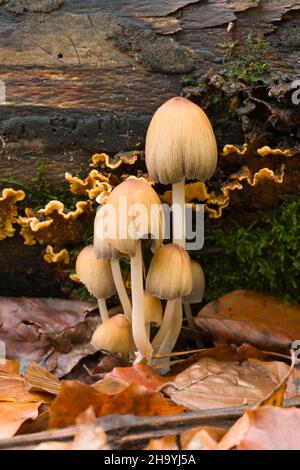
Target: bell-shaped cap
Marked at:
113, 335
136, 212
170, 273
101, 246
95, 274
153, 309
197, 292
180, 143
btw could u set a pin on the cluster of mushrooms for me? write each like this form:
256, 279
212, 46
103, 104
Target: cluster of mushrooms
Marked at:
180, 145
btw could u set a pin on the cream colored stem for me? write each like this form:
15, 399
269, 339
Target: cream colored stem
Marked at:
138, 315
148, 329
103, 309
189, 316
166, 324
173, 333
178, 200
120, 286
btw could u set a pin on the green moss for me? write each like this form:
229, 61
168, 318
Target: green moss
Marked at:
264, 258
248, 62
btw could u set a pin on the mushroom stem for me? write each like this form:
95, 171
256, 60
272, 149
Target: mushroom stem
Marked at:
120, 287
148, 329
167, 324
189, 316
178, 200
138, 315
173, 332
103, 309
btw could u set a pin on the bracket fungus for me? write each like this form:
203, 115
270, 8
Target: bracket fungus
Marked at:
136, 213
8, 211
61, 257
53, 225
94, 185
96, 275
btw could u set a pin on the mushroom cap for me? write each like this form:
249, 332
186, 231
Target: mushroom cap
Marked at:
101, 246
153, 309
180, 143
95, 273
138, 213
113, 335
170, 273
197, 292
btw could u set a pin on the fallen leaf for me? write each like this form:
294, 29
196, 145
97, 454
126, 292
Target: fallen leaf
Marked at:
13, 415
139, 374
51, 330
88, 436
215, 384
264, 428
37, 378
203, 438
75, 397
165, 443
251, 317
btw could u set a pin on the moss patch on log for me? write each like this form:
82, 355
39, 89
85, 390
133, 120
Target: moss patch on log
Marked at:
263, 257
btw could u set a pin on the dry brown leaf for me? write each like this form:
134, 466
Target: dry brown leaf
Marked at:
88, 436
259, 319
75, 397
214, 384
203, 438
13, 415
55, 329
165, 443
37, 378
139, 374
264, 428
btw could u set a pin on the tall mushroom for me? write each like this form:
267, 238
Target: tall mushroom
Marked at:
169, 277
104, 251
96, 275
180, 145
138, 213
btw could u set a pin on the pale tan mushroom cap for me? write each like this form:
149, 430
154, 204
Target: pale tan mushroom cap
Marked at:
153, 309
113, 335
95, 273
101, 246
138, 212
180, 143
196, 295
170, 273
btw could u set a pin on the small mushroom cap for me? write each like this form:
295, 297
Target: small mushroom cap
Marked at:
197, 292
170, 273
153, 309
101, 246
95, 273
180, 143
113, 335
138, 213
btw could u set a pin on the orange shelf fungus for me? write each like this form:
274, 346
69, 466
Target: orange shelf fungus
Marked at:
93, 185
8, 211
53, 224
62, 257
102, 160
